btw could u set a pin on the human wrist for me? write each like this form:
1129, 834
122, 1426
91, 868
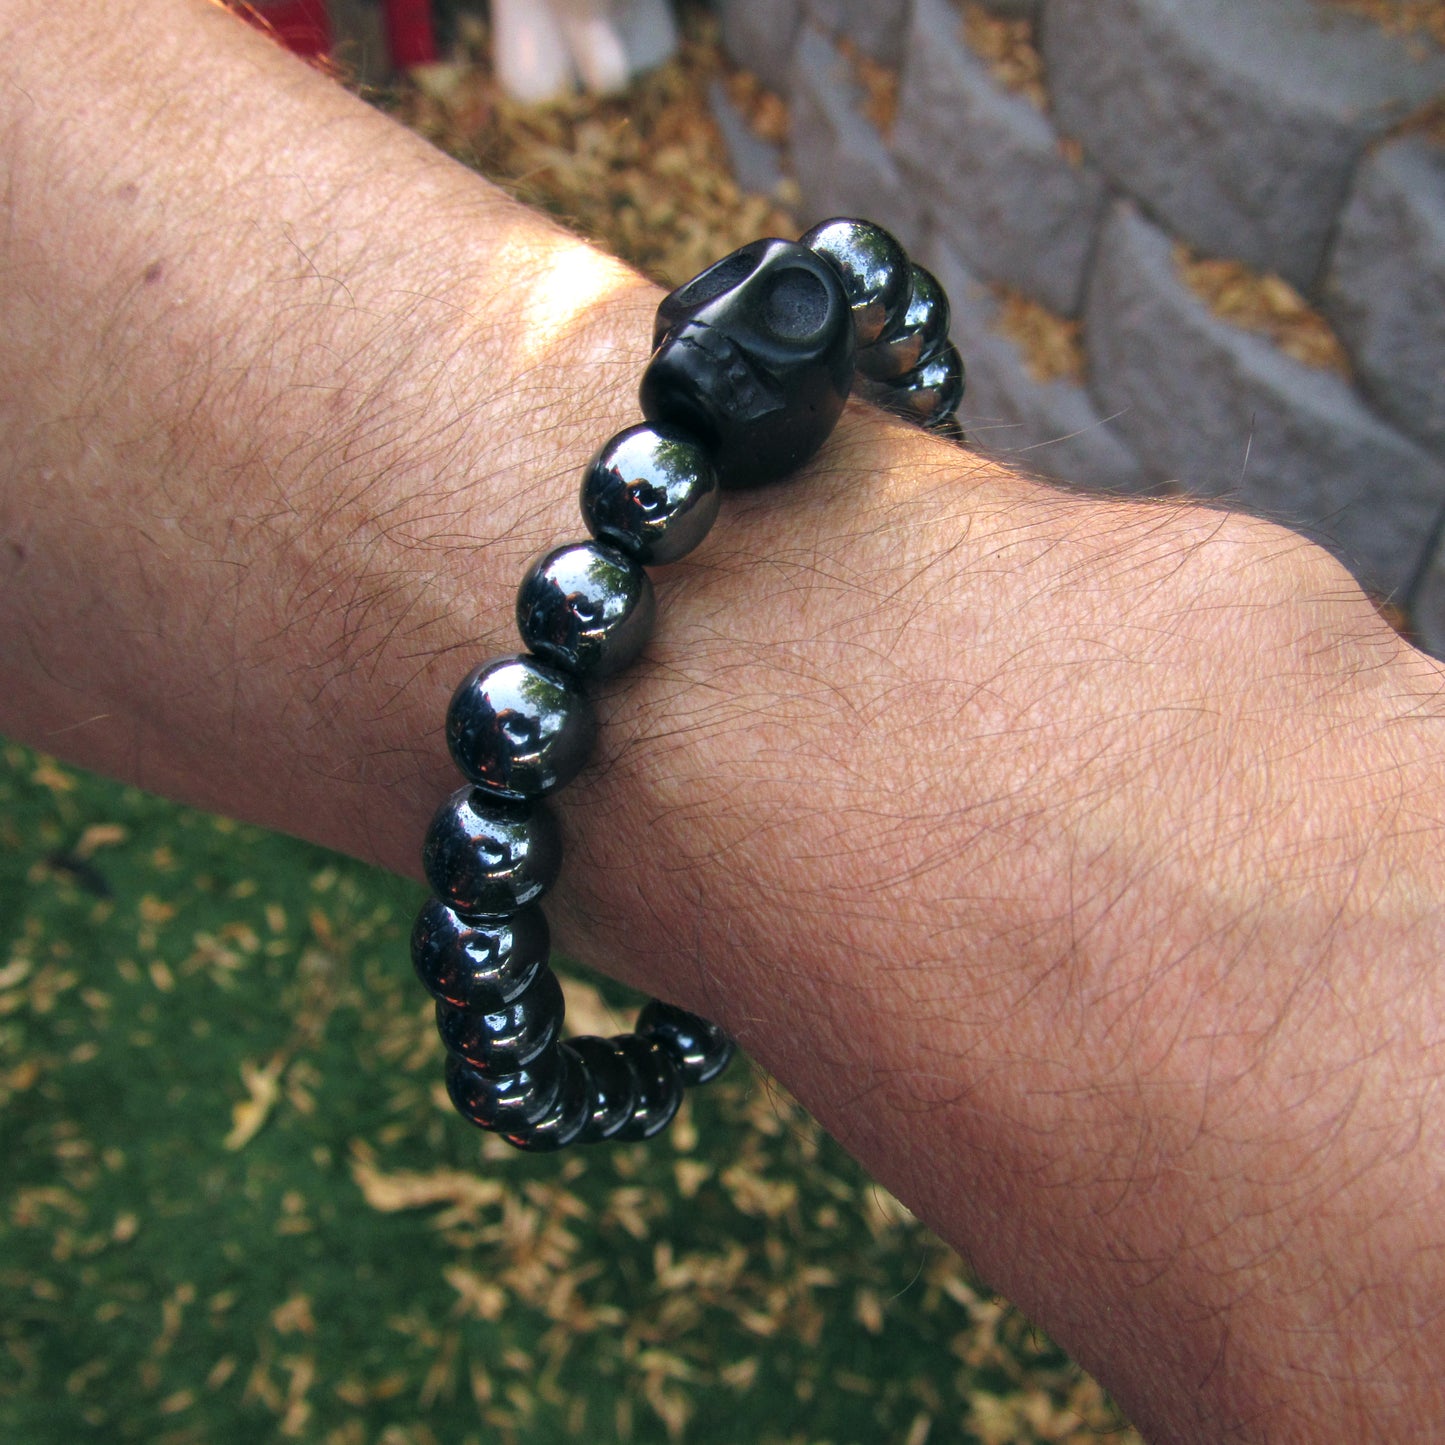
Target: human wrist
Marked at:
752, 365
1037, 1021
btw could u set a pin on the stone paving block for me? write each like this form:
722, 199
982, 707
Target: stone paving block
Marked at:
757, 165
1237, 122
875, 26
1229, 415
990, 169
1385, 289
760, 35
1052, 429
840, 161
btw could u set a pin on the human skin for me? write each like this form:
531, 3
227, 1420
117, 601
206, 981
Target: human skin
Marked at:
1077, 862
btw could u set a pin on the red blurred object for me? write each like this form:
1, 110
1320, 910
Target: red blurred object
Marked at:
302, 26
410, 36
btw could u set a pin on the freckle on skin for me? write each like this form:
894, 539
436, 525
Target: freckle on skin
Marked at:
128, 192
153, 273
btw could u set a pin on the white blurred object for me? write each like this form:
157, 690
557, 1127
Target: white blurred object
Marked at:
528, 52
595, 43
540, 46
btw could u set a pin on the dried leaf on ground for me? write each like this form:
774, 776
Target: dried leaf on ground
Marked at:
1266, 303
1051, 345
1010, 50
879, 84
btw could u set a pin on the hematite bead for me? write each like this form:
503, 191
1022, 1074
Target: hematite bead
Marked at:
567, 1119
504, 1041
486, 857
874, 270
700, 1048
478, 965
520, 728
586, 607
614, 1086
916, 338
506, 1102
659, 1088
652, 492
929, 394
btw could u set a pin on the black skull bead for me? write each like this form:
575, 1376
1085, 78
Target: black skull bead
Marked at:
755, 357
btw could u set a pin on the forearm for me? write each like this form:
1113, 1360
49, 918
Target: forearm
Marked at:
275, 372
1046, 847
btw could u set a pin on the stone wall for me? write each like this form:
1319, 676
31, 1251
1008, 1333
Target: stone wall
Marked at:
1292, 136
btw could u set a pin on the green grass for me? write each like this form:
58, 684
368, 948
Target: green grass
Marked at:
235, 1207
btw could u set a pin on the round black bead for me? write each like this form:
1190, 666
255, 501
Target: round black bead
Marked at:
520, 728
614, 1086
919, 336
931, 393
504, 1041
652, 492
566, 1122
586, 607
506, 1102
659, 1088
874, 270
485, 857
700, 1048
478, 965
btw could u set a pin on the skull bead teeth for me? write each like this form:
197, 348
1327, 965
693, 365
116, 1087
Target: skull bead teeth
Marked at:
753, 362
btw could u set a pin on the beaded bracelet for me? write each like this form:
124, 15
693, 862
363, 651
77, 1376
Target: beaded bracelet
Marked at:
753, 361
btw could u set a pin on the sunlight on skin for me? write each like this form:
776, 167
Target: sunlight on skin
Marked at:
571, 281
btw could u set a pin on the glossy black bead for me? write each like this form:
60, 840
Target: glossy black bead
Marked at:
874, 270
614, 1086
651, 492
478, 965
505, 1040
506, 1103
700, 1048
919, 336
659, 1088
486, 857
519, 727
586, 607
931, 393
566, 1122
755, 358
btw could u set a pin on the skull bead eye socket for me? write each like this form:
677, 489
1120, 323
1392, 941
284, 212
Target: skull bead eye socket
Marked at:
718, 278
796, 304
